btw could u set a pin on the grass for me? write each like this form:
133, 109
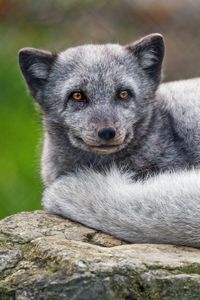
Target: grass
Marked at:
20, 131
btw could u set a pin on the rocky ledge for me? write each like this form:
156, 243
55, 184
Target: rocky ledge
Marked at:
45, 257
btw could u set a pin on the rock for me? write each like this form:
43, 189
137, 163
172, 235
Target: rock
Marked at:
45, 257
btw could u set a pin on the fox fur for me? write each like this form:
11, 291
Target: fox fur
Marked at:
142, 184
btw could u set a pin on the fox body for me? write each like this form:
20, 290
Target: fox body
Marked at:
121, 153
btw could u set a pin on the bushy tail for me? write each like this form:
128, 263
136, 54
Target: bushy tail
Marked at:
161, 209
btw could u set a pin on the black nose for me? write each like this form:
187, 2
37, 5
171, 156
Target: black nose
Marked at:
107, 133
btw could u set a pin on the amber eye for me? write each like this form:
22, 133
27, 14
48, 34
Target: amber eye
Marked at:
123, 95
77, 96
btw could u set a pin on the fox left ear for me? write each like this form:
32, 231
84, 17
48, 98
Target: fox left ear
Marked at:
149, 52
35, 65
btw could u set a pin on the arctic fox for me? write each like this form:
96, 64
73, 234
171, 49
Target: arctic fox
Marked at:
120, 154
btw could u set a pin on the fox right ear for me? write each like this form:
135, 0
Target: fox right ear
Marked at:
35, 65
149, 52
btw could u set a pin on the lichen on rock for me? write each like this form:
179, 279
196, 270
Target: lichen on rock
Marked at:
45, 257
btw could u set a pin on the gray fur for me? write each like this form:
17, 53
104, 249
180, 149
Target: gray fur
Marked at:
117, 186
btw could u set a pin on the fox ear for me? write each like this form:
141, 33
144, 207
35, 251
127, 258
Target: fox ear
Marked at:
149, 52
35, 65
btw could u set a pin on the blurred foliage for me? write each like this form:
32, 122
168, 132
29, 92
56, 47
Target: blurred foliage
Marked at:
57, 25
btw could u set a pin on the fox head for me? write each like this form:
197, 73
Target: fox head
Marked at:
97, 94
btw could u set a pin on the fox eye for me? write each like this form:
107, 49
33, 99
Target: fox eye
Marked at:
77, 96
123, 95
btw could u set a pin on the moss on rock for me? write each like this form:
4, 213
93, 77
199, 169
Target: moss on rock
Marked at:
45, 257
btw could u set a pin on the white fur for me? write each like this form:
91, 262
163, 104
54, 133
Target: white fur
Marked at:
162, 209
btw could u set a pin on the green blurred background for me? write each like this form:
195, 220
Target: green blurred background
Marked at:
56, 25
